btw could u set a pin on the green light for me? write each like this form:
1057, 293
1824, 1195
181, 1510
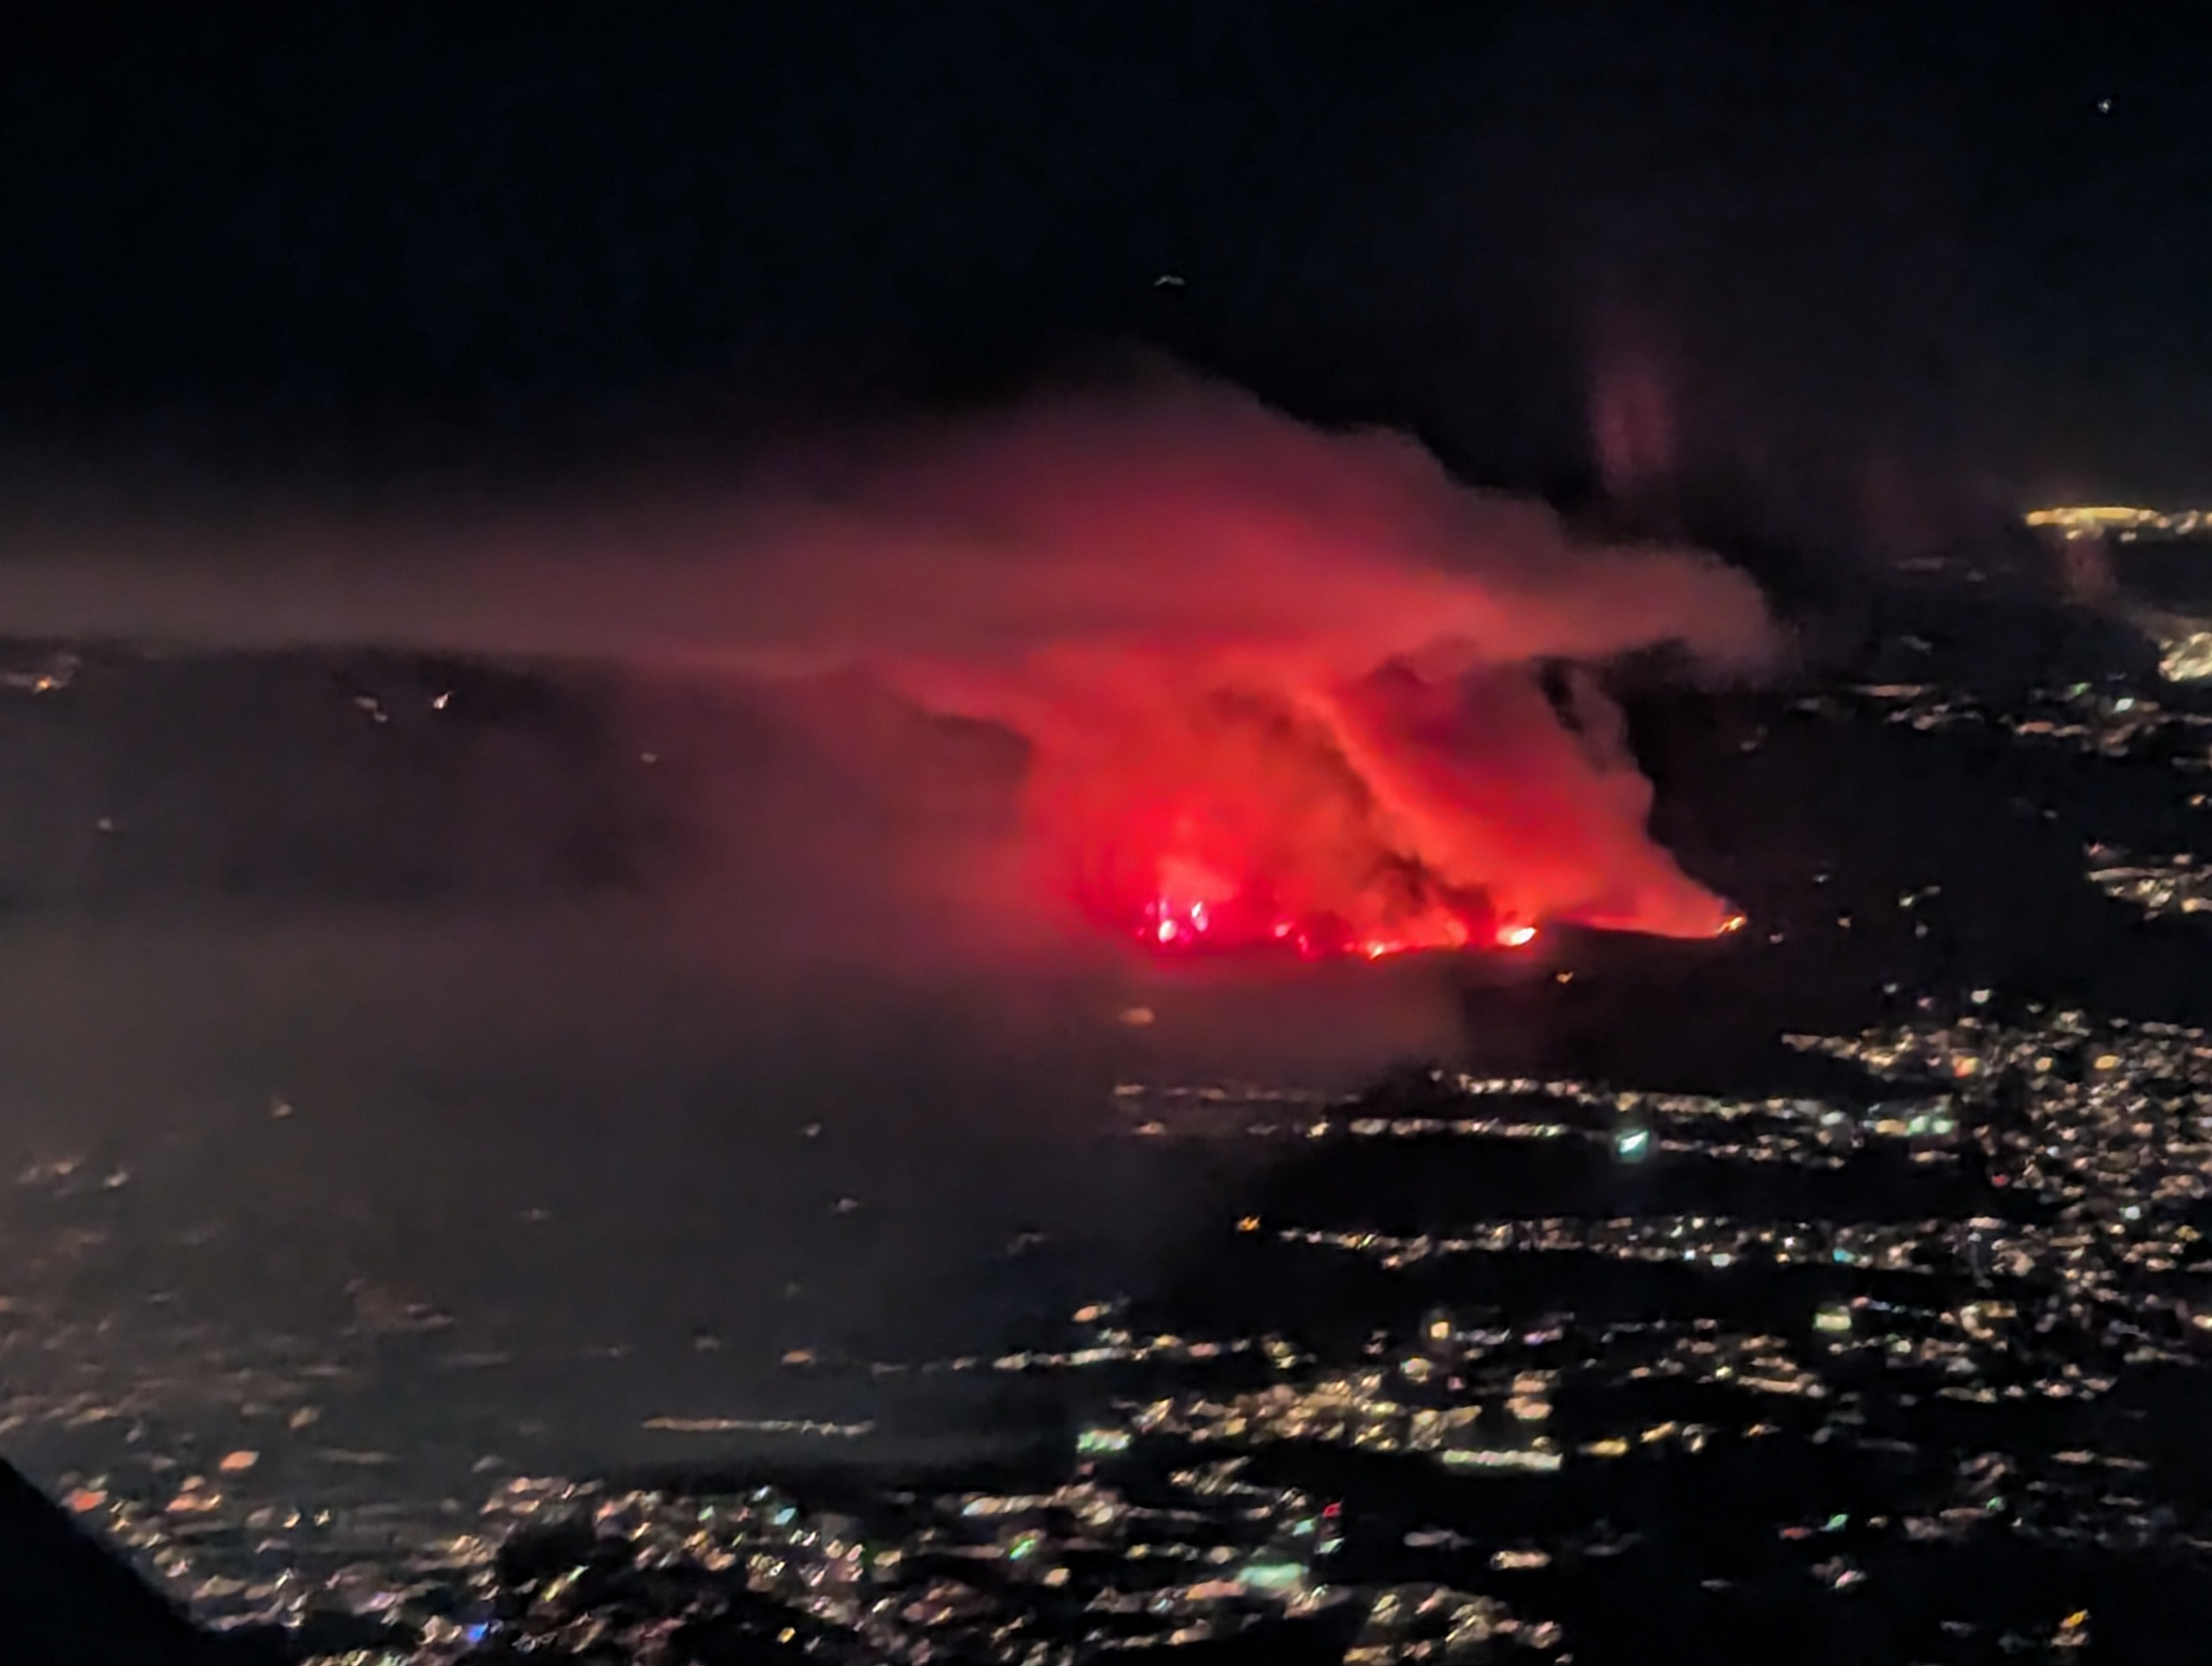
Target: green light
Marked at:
1275, 1576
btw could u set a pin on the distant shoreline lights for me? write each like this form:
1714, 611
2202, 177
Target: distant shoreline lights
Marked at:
2126, 525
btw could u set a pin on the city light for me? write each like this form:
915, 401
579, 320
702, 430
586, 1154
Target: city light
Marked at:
2124, 523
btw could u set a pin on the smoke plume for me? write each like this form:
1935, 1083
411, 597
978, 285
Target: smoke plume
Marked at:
1273, 681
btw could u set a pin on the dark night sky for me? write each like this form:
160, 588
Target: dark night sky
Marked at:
1879, 252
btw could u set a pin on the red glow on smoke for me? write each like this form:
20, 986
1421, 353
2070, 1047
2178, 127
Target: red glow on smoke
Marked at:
1296, 693
1393, 816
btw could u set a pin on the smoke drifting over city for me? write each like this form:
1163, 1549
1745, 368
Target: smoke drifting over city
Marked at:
1291, 680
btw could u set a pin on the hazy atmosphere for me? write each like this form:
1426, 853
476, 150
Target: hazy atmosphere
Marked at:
1278, 832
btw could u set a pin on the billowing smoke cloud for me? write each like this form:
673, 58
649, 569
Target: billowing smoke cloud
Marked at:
1275, 682
808, 1080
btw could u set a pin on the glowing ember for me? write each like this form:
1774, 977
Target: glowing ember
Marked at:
1187, 928
1196, 909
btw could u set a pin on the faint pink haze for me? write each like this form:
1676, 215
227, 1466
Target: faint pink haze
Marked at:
1632, 427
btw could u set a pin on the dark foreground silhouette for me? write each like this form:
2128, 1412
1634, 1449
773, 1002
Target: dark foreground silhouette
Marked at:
66, 1601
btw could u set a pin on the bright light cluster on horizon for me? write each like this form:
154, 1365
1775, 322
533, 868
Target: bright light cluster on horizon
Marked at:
2075, 521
